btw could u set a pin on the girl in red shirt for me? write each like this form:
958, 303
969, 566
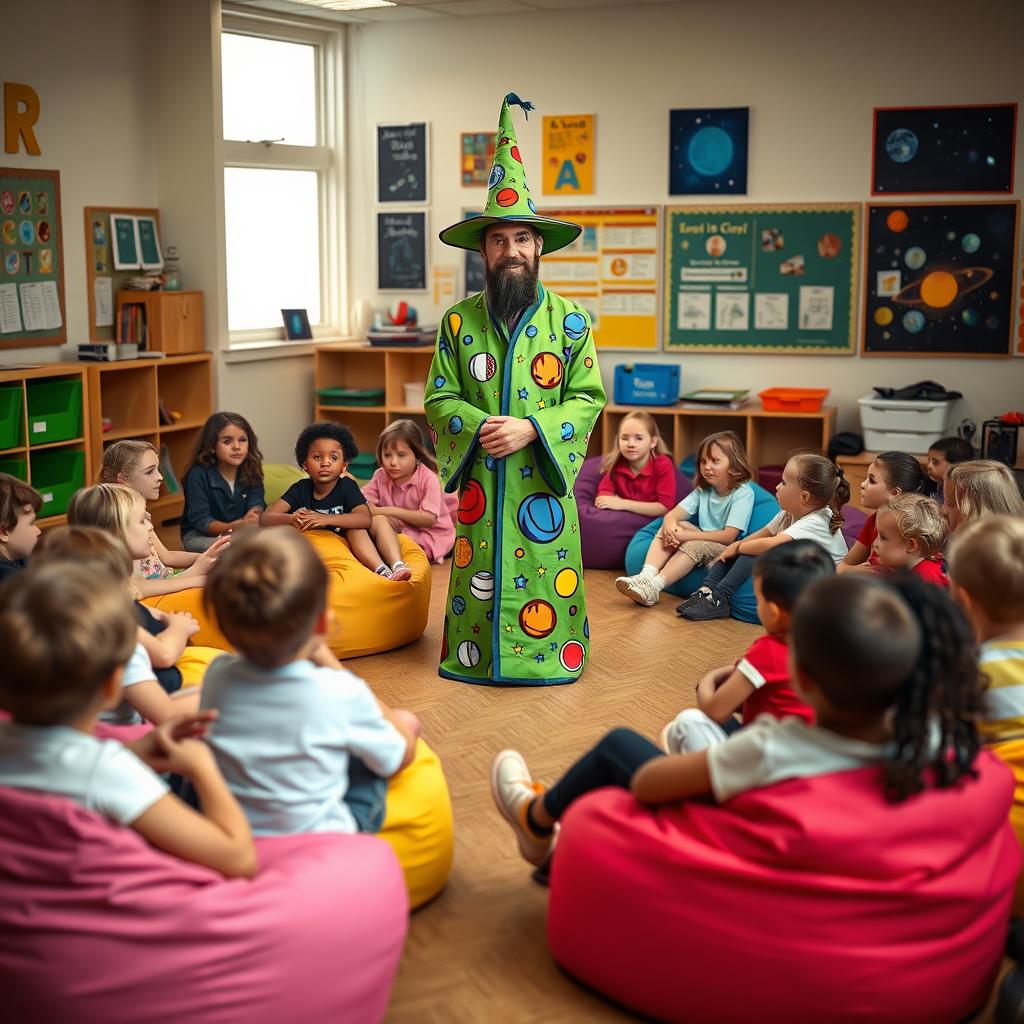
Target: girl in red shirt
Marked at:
638, 475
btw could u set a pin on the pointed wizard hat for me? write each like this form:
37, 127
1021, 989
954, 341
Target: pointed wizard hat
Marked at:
508, 197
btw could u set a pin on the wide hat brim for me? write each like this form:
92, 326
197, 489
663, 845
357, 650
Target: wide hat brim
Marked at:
468, 234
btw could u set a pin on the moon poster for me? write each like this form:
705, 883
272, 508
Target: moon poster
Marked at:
944, 149
939, 278
707, 152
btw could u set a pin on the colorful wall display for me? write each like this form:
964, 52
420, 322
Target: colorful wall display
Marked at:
568, 155
612, 271
761, 278
944, 149
402, 163
939, 278
707, 151
477, 155
32, 271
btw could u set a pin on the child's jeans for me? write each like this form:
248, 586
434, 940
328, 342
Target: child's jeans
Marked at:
725, 578
192, 541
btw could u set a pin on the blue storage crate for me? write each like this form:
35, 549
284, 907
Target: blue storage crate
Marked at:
646, 384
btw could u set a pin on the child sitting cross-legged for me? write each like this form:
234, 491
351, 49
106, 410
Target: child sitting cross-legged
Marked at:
698, 529
911, 533
66, 632
19, 504
757, 684
292, 722
332, 500
888, 669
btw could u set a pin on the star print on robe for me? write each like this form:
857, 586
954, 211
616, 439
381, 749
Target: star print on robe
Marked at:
520, 582
523, 393
525, 471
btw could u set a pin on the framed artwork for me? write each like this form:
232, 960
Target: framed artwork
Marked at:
402, 161
764, 278
124, 241
402, 251
477, 156
149, 243
568, 155
707, 151
939, 278
920, 150
296, 325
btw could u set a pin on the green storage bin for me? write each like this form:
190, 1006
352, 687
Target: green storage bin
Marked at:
363, 466
350, 396
54, 410
56, 475
15, 467
10, 416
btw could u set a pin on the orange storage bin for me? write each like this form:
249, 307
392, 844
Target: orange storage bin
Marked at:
793, 399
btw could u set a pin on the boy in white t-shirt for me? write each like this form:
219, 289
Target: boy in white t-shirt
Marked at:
66, 630
811, 494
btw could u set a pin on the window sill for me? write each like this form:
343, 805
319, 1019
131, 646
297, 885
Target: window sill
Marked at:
254, 351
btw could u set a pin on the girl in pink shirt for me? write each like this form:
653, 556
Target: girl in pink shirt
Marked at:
406, 490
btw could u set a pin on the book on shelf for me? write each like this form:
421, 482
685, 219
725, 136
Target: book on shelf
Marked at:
131, 327
171, 484
715, 398
107, 351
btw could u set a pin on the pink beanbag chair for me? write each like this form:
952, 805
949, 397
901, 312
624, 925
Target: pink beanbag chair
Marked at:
97, 927
605, 533
807, 900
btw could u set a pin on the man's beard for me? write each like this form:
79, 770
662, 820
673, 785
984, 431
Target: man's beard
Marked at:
510, 291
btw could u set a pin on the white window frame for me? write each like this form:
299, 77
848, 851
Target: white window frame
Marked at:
325, 159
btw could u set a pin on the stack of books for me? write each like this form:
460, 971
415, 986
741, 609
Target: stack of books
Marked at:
715, 398
398, 335
107, 351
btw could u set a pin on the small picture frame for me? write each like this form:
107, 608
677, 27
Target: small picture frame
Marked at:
124, 240
296, 325
149, 243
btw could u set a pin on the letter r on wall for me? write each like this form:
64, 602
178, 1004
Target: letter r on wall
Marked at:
19, 122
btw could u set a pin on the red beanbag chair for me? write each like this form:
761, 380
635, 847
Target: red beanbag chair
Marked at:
812, 899
97, 927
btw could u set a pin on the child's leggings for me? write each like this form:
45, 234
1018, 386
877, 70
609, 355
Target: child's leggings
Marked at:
725, 578
612, 762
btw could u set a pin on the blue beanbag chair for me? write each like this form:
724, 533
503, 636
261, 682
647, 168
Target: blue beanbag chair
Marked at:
743, 605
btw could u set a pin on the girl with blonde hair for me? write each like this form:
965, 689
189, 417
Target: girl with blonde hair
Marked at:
638, 475
979, 487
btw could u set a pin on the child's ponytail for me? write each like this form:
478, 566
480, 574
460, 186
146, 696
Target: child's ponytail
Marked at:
826, 483
945, 686
840, 497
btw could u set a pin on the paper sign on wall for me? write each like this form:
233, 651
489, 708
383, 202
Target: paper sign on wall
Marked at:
569, 155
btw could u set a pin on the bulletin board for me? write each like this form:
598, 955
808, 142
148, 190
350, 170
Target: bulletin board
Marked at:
402, 161
611, 270
402, 251
762, 278
103, 282
32, 272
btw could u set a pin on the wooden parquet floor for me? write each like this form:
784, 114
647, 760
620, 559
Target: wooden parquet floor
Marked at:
478, 952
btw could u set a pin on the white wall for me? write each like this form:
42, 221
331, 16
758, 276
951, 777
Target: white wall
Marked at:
811, 73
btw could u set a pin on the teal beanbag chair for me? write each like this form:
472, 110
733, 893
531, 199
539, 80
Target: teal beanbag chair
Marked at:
743, 605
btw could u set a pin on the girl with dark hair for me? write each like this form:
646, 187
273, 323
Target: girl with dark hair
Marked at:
890, 672
889, 475
223, 483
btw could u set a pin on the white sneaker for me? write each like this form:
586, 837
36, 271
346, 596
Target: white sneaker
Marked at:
639, 588
513, 788
673, 736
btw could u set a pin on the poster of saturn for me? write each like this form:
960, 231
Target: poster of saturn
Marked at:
939, 278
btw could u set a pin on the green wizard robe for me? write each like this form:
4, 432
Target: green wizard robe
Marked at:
516, 612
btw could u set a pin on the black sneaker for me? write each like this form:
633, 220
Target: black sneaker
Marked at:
699, 593
711, 606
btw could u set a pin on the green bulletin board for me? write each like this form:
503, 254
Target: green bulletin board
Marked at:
761, 278
32, 269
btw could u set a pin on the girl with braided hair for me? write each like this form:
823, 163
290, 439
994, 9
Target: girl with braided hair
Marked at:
890, 670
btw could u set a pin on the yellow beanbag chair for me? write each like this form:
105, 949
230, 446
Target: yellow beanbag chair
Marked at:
194, 662
418, 825
191, 601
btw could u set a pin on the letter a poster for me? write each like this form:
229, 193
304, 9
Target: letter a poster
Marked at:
569, 155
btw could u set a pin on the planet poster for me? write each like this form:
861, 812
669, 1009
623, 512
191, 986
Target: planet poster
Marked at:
707, 151
939, 278
944, 149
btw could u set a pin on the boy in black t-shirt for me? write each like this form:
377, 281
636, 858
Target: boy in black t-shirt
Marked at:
331, 500
19, 504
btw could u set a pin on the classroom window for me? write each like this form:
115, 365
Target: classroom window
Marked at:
279, 87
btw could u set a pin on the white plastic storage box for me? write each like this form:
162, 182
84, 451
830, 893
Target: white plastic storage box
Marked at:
894, 424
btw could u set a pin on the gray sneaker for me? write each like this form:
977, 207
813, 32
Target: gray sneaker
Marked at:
638, 588
709, 607
699, 593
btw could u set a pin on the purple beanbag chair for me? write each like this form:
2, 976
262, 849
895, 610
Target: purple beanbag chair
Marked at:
853, 522
605, 533
98, 927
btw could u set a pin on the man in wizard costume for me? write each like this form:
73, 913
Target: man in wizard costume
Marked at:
513, 392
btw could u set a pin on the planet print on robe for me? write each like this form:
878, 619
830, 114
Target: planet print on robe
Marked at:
481, 586
531, 331
455, 425
546, 370
455, 323
463, 552
490, 462
472, 503
458, 604
571, 656
468, 654
439, 383
567, 432
482, 366
586, 627
566, 582
507, 197
575, 326
537, 619
541, 518
497, 173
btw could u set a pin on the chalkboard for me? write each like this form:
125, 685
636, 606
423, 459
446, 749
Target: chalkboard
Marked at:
761, 278
402, 251
402, 163
473, 275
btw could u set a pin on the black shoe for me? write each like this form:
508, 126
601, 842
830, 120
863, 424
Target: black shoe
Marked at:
711, 606
691, 600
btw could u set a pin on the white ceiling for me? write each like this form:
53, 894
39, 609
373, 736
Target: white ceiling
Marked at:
413, 10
